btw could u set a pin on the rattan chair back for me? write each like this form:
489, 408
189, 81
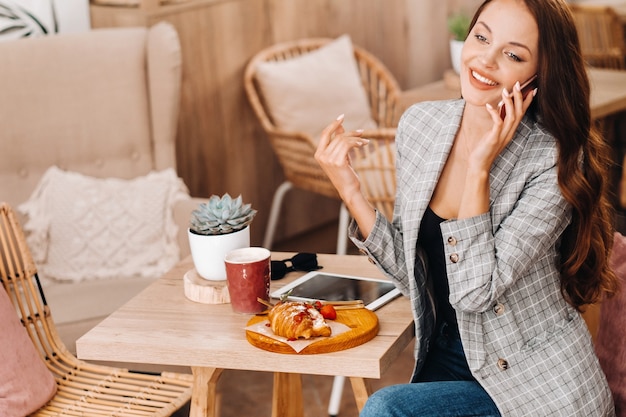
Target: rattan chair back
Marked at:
295, 150
375, 165
83, 389
601, 34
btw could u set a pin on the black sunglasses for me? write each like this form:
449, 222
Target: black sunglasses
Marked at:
300, 262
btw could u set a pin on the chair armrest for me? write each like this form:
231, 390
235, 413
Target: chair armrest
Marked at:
182, 213
438, 90
386, 133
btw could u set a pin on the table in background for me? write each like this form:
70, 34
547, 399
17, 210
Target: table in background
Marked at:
161, 326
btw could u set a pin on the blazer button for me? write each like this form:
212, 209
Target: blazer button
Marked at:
498, 309
452, 241
454, 258
503, 364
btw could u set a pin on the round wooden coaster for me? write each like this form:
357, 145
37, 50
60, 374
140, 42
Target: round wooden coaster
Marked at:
362, 322
204, 291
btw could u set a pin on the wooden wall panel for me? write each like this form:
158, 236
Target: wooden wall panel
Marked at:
220, 145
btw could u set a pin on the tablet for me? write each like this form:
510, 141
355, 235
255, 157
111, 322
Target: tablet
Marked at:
324, 286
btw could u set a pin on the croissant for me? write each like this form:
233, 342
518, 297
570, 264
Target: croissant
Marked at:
295, 320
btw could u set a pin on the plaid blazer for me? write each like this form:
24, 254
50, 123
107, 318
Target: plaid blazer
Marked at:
525, 345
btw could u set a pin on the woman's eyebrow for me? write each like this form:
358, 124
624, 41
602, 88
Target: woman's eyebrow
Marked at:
521, 45
486, 26
480, 22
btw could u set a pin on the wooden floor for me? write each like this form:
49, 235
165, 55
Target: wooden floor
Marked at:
246, 393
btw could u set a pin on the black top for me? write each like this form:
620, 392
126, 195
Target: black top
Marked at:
431, 240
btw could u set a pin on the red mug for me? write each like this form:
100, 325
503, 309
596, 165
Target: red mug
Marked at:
248, 278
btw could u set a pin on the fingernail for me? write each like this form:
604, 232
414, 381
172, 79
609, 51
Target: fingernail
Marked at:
359, 131
534, 92
517, 86
490, 107
340, 117
362, 142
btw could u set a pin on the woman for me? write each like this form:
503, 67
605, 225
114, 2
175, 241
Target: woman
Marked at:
501, 229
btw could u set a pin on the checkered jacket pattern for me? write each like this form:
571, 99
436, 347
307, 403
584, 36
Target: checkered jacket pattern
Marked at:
525, 345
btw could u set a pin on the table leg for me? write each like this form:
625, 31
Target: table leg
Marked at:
362, 389
287, 395
203, 398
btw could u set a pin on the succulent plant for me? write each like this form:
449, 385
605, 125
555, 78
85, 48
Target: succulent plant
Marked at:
220, 216
458, 25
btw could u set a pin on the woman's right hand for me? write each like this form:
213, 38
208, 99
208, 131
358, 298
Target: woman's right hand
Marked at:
333, 155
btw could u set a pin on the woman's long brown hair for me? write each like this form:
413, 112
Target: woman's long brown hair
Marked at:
563, 109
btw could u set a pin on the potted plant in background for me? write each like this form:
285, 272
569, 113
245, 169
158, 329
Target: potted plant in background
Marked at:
458, 26
215, 228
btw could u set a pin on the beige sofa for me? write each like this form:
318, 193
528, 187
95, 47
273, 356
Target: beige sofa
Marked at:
103, 104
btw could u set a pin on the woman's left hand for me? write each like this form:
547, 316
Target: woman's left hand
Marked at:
503, 130
475, 196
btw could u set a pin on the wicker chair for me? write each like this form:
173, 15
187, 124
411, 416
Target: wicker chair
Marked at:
601, 36
295, 149
83, 389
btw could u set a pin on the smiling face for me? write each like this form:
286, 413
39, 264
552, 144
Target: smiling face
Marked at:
501, 49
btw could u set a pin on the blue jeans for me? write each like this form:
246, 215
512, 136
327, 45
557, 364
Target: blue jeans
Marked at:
444, 387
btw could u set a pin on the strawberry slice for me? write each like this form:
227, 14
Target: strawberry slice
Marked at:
328, 312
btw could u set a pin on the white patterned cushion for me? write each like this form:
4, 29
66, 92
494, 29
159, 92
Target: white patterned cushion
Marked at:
308, 92
82, 228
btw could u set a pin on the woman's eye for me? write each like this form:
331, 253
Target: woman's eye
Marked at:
480, 38
513, 57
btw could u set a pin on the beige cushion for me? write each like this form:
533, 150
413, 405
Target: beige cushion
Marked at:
308, 92
26, 383
81, 227
106, 105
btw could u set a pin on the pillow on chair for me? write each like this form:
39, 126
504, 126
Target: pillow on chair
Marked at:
308, 92
82, 228
611, 340
26, 383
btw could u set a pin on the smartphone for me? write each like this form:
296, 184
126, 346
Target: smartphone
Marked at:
526, 88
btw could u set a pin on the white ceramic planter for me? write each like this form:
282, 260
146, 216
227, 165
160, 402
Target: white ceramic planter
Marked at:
455, 54
208, 252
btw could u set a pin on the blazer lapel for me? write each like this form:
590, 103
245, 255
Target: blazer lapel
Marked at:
425, 180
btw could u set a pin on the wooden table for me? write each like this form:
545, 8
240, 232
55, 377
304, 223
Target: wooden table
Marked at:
608, 92
161, 326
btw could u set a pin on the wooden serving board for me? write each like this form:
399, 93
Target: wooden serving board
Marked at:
362, 322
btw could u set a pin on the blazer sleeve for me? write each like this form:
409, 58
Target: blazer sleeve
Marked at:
385, 245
